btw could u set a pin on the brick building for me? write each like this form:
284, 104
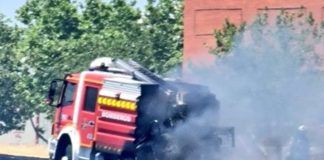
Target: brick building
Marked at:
202, 17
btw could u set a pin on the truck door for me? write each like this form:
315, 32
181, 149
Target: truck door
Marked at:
87, 116
64, 111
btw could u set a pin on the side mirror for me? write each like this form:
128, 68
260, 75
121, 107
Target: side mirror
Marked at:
54, 92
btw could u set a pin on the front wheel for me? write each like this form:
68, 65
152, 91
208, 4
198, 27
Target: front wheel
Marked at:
65, 153
68, 153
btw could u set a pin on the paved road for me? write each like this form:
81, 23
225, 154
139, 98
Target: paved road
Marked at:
9, 157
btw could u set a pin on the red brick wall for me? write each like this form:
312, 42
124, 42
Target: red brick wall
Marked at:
202, 17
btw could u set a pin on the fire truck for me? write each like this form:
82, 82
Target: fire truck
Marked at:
119, 110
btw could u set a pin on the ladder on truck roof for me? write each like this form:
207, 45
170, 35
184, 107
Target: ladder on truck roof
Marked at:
133, 69
143, 74
140, 72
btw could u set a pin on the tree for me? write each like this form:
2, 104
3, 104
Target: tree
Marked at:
163, 26
231, 34
225, 37
12, 113
154, 37
60, 34
43, 48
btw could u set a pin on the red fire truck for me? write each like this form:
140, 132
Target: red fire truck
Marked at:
120, 110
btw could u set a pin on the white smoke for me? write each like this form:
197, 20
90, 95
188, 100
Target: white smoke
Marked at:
268, 85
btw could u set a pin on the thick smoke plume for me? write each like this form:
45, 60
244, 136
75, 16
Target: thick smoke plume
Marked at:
269, 85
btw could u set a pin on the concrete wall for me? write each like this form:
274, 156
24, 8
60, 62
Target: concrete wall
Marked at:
26, 136
202, 17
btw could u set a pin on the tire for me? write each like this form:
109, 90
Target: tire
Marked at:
65, 153
68, 152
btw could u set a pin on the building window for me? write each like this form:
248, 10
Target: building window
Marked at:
90, 99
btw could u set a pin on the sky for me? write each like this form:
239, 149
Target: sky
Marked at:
8, 7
